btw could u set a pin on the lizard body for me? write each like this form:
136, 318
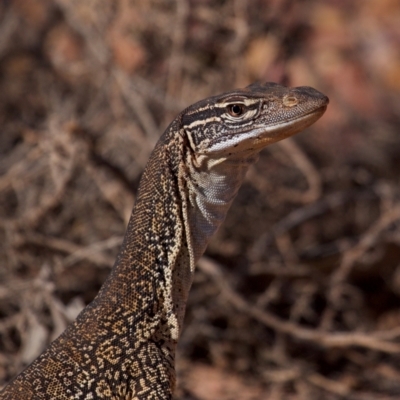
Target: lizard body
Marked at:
122, 345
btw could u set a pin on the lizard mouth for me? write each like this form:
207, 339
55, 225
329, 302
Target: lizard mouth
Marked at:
320, 111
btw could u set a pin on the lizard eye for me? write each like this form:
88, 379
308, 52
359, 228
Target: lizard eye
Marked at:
236, 110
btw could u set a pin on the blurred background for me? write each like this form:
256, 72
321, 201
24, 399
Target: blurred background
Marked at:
298, 295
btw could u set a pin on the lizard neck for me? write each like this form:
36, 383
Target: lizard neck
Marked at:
180, 205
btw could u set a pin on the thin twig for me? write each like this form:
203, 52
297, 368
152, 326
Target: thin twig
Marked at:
323, 339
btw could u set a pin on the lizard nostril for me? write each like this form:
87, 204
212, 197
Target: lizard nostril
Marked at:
290, 101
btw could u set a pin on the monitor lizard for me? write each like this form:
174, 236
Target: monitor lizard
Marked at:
122, 345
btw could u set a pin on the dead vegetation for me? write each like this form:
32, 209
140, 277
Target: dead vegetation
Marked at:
298, 296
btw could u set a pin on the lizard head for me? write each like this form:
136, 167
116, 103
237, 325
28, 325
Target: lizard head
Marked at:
247, 120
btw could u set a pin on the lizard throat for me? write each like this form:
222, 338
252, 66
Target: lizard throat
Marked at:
212, 186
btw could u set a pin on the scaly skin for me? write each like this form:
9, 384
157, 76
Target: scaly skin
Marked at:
122, 345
